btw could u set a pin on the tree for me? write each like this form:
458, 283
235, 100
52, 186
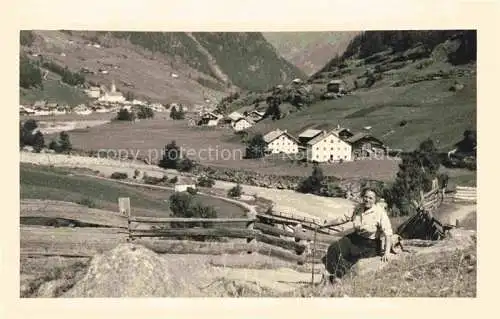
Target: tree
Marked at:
273, 108
235, 192
416, 173
256, 147
171, 156
27, 135
29, 74
30, 125
64, 142
125, 115
314, 182
176, 115
38, 142
145, 112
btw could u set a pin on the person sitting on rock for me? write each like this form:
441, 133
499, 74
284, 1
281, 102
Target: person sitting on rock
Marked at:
371, 224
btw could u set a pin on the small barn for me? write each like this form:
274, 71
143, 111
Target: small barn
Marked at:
365, 145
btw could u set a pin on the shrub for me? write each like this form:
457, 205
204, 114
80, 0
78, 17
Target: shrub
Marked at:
205, 181
145, 112
54, 146
176, 115
192, 191
125, 115
173, 180
151, 180
185, 165
137, 173
256, 147
313, 183
235, 192
87, 202
183, 205
64, 143
38, 142
119, 175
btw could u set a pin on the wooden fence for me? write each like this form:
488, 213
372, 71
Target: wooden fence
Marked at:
423, 225
278, 234
465, 194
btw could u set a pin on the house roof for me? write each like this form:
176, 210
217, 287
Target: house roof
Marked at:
325, 134
246, 119
358, 136
235, 116
310, 133
319, 138
341, 129
257, 112
271, 136
336, 82
211, 114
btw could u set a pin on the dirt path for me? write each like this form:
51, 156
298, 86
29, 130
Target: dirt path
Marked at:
450, 213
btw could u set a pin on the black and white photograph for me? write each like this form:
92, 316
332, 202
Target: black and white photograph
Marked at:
247, 164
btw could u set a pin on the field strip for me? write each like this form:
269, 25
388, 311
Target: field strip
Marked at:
64, 210
287, 201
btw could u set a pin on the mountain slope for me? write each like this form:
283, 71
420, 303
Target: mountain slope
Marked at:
405, 87
163, 66
310, 51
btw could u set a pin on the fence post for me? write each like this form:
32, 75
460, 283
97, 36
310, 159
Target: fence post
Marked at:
250, 226
124, 207
298, 231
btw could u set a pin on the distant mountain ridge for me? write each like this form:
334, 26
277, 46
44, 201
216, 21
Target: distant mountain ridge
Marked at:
403, 87
165, 66
310, 51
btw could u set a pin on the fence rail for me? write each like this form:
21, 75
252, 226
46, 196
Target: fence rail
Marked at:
284, 235
465, 194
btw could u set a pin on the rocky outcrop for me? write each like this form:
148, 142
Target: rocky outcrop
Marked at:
126, 271
456, 240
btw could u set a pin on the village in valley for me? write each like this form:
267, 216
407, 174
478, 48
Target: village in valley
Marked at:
117, 131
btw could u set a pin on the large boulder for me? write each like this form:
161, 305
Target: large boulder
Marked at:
128, 270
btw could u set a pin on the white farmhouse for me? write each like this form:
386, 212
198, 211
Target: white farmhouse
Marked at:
242, 124
279, 141
328, 147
